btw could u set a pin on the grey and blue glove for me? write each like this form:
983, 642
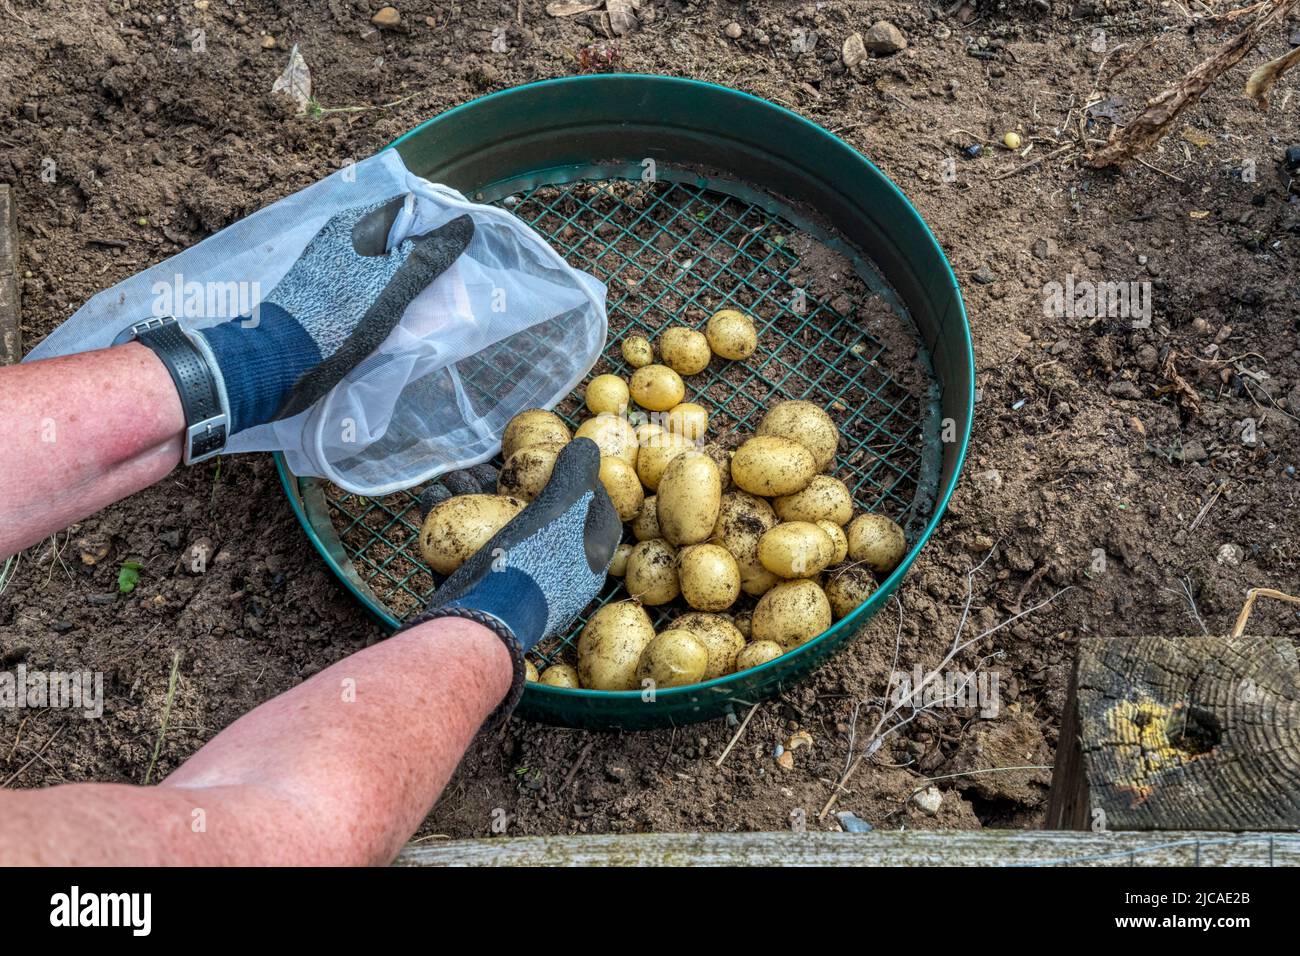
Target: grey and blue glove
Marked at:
335, 305
534, 577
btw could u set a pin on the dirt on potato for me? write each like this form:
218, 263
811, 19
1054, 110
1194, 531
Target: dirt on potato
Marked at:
1100, 498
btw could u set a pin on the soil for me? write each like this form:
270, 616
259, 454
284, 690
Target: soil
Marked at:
1090, 467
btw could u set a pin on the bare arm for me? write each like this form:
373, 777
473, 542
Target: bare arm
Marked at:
79, 433
340, 770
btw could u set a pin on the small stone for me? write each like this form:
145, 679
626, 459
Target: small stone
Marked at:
1044, 248
197, 556
1147, 357
61, 627
984, 276
1193, 451
268, 42
1125, 390
1230, 555
1292, 159
850, 822
733, 30
618, 772
928, 801
990, 479
202, 4
853, 52
387, 18
884, 39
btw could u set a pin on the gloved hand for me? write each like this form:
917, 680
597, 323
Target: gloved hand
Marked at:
335, 306
538, 572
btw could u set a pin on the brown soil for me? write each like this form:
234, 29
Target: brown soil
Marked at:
1080, 452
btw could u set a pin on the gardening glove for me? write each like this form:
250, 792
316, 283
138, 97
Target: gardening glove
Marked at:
535, 575
335, 305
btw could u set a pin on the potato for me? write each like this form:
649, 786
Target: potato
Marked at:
613, 435
618, 566
795, 549
771, 465
690, 495
877, 542
454, 529
655, 454
825, 499
720, 638
742, 621
651, 575
560, 675
637, 351
759, 652
536, 426
732, 334
683, 350
688, 420
645, 526
657, 387
709, 577
742, 521
673, 659
530, 671
839, 541
791, 614
620, 480
607, 393
610, 646
848, 587
526, 472
806, 423
722, 458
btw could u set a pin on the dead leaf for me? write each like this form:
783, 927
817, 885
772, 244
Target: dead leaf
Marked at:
622, 20
1263, 77
295, 81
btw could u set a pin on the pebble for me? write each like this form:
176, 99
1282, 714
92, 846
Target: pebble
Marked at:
268, 42
1193, 451
929, 800
1292, 159
854, 51
387, 18
984, 276
733, 30
991, 478
850, 822
884, 38
1230, 555
1125, 390
1044, 248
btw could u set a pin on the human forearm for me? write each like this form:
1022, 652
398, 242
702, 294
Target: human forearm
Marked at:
79, 433
339, 770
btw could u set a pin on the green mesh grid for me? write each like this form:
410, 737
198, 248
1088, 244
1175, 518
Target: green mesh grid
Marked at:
674, 253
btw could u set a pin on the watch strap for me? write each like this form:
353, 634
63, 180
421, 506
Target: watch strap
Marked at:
206, 424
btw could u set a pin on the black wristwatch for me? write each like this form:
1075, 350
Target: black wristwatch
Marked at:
206, 423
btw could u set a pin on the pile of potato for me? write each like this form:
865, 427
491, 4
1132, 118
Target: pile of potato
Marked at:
765, 520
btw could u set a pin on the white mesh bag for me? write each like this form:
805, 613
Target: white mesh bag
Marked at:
509, 326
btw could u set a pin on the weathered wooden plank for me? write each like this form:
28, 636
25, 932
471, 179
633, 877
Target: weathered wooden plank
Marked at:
879, 848
11, 348
1181, 733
